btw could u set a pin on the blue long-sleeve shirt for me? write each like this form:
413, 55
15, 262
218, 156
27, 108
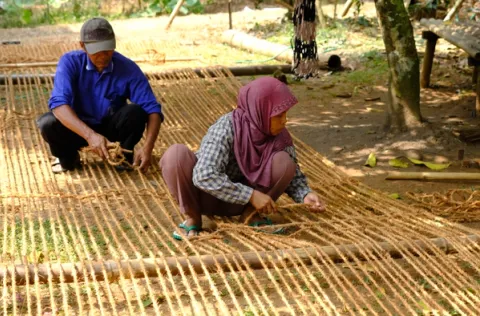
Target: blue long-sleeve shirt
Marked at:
92, 95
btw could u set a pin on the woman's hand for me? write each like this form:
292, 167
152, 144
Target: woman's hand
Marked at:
314, 202
262, 203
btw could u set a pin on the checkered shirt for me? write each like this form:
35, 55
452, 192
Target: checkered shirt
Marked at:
217, 172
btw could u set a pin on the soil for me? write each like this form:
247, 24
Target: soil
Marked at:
345, 130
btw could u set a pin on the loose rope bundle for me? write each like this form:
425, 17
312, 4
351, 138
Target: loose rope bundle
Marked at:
459, 205
116, 154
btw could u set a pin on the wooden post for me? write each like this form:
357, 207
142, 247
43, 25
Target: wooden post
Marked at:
174, 13
477, 103
321, 16
335, 12
230, 24
476, 81
141, 268
454, 10
474, 75
428, 58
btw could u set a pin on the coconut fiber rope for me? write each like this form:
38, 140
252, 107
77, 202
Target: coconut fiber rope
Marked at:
99, 241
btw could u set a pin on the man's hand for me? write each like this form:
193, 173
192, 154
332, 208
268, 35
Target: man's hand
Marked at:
98, 143
262, 203
314, 202
143, 158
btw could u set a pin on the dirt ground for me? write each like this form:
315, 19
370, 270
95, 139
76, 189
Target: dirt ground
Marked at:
345, 130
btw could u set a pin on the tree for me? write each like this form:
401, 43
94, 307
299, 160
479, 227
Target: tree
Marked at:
403, 110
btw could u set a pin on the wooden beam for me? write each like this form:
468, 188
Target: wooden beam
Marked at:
461, 38
111, 270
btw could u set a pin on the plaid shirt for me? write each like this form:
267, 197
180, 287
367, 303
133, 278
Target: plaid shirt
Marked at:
217, 171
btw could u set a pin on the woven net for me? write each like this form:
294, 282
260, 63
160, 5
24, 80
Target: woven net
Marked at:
98, 241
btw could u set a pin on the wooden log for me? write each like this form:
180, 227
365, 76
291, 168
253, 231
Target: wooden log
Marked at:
250, 43
397, 175
454, 10
253, 70
174, 13
140, 268
428, 58
280, 52
458, 37
346, 8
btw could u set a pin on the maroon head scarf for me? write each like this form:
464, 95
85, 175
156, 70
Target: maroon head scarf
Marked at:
254, 145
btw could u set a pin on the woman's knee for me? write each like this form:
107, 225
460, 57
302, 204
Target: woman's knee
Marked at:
176, 155
283, 166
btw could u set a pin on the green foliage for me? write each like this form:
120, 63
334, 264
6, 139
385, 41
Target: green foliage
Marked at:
374, 70
21, 13
157, 7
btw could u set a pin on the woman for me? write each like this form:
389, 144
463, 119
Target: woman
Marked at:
245, 162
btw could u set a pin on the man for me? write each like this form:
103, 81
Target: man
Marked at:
89, 102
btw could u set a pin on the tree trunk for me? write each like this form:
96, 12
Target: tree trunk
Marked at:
403, 110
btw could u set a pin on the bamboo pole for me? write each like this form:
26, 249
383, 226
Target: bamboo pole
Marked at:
397, 175
454, 10
174, 13
137, 60
346, 8
260, 260
253, 70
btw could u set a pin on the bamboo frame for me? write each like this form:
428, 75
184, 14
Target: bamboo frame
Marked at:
139, 268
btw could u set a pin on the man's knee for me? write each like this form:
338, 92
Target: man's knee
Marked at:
47, 122
136, 113
283, 165
175, 156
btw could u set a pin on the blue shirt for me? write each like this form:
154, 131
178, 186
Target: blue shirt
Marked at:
93, 95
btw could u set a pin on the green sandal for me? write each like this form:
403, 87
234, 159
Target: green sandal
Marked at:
187, 229
267, 222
